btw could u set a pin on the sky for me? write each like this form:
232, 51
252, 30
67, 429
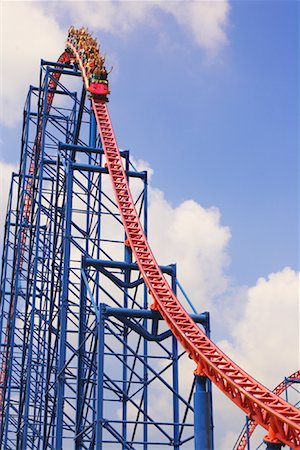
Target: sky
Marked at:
206, 95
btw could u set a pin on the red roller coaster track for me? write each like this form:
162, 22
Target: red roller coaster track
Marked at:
281, 419
278, 390
259, 403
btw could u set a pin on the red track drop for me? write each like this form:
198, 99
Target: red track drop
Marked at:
279, 389
262, 405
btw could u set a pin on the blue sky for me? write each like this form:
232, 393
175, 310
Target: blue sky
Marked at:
211, 102
229, 137
221, 130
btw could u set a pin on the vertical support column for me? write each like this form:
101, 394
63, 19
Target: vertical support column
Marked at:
285, 389
55, 284
63, 311
145, 324
247, 433
209, 384
35, 294
203, 418
176, 430
271, 441
128, 260
100, 378
92, 143
202, 415
44, 305
81, 353
286, 383
8, 344
273, 445
39, 231
79, 120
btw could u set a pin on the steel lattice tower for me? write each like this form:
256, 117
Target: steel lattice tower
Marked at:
88, 360
86, 363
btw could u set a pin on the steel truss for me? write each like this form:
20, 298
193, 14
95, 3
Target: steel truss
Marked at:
289, 389
86, 363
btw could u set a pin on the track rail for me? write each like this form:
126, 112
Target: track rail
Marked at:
241, 442
277, 416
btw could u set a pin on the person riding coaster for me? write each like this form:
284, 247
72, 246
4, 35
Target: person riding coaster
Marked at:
95, 79
92, 61
98, 82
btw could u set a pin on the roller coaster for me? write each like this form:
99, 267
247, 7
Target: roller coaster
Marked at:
85, 363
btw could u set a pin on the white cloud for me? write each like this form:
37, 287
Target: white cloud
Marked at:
265, 340
263, 334
188, 234
112, 16
141, 165
31, 31
192, 236
260, 323
27, 35
205, 21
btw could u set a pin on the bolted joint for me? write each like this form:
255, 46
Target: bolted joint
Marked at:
271, 441
127, 243
199, 370
154, 305
274, 445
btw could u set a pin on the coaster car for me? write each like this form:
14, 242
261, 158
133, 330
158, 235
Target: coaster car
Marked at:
99, 88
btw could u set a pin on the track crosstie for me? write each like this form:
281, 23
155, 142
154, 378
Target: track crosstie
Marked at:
278, 390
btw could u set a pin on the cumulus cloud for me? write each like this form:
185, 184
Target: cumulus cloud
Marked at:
205, 21
262, 336
194, 238
41, 34
259, 323
28, 34
115, 17
265, 341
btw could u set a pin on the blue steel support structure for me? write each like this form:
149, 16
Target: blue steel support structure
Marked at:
87, 364
204, 438
288, 389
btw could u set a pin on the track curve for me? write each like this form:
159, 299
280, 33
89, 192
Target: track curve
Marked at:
263, 406
258, 402
241, 442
